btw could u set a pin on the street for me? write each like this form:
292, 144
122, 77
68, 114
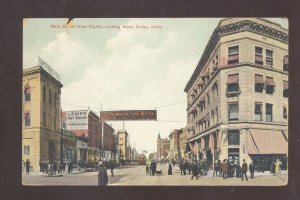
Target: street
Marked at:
136, 175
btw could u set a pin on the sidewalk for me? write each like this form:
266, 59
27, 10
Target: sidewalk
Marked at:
76, 171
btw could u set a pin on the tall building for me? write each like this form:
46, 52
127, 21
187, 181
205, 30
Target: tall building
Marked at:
238, 94
41, 113
123, 144
109, 142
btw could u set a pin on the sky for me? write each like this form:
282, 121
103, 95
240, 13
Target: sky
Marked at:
107, 63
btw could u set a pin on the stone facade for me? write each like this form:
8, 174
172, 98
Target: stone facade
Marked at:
238, 89
163, 147
123, 144
41, 114
174, 144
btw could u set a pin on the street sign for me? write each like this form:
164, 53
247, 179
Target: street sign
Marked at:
124, 115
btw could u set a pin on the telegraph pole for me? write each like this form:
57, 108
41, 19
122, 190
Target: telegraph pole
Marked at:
102, 130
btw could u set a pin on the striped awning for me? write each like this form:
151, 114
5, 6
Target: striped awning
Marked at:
259, 79
270, 81
233, 78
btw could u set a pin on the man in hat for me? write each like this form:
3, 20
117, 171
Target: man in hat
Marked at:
224, 169
244, 170
216, 168
102, 174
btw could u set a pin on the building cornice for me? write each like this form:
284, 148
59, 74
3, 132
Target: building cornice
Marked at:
40, 70
232, 28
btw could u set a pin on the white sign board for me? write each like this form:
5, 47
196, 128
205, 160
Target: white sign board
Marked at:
77, 120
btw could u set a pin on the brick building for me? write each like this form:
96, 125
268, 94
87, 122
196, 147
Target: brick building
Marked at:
85, 123
109, 142
163, 147
238, 94
41, 113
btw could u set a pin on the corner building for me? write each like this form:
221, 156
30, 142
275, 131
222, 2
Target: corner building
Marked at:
238, 94
41, 113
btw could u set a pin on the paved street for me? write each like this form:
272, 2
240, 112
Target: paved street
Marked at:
135, 175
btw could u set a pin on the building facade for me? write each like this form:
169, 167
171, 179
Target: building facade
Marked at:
174, 144
85, 123
182, 144
123, 144
109, 142
237, 97
41, 113
163, 147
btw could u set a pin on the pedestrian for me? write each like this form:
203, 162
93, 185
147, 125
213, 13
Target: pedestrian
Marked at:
153, 167
251, 169
147, 169
224, 169
181, 167
185, 167
220, 168
238, 170
112, 167
102, 174
170, 169
194, 171
244, 170
41, 165
189, 167
64, 167
27, 165
55, 166
216, 168
278, 165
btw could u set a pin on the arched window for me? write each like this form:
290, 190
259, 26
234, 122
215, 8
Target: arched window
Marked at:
50, 97
27, 92
286, 63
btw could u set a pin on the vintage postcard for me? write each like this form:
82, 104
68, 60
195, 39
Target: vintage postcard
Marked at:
164, 101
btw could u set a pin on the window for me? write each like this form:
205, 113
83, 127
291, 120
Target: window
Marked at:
50, 97
258, 112
285, 88
27, 118
270, 85
269, 58
233, 137
26, 150
269, 112
259, 83
233, 55
212, 114
44, 93
216, 115
27, 92
208, 98
285, 112
233, 111
55, 99
233, 85
54, 123
286, 63
258, 56
44, 119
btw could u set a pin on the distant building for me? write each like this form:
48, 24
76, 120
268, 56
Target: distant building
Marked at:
41, 113
109, 142
163, 147
237, 97
174, 144
123, 144
182, 143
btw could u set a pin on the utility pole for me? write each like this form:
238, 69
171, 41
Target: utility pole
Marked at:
61, 138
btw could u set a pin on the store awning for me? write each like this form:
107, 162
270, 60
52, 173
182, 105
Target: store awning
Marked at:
234, 78
266, 142
270, 81
259, 79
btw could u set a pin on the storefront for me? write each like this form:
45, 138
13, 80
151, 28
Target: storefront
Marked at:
265, 146
82, 144
69, 146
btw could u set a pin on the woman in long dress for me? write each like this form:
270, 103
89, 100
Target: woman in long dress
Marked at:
102, 174
278, 167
